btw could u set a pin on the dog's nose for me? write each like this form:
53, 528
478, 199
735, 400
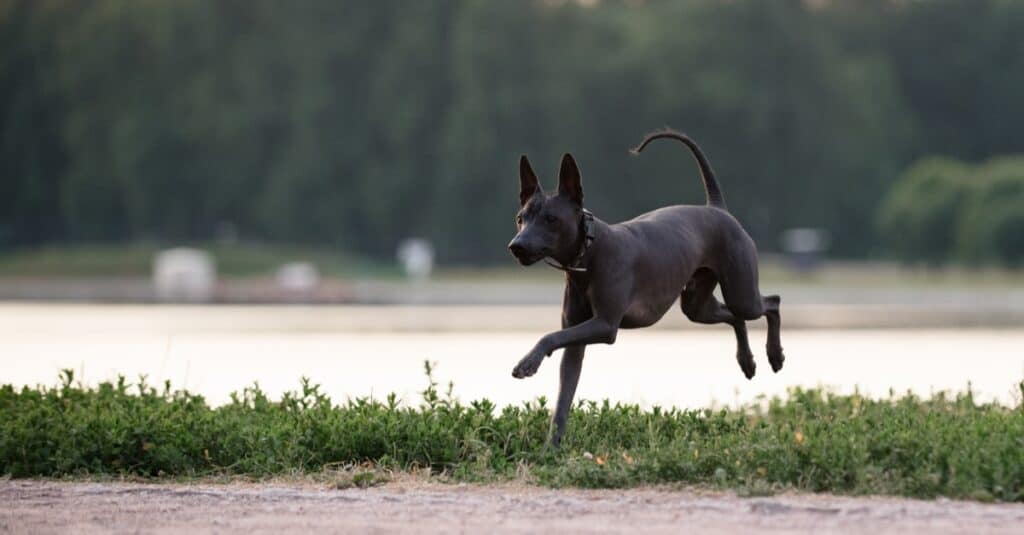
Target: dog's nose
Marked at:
517, 248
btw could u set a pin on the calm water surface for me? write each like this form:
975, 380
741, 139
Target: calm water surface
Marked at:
351, 351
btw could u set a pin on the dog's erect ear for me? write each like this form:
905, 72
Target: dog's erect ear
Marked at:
569, 182
528, 183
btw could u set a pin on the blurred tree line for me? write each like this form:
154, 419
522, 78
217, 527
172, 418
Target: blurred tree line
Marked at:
355, 124
942, 210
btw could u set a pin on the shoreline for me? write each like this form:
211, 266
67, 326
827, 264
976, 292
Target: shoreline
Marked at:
516, 317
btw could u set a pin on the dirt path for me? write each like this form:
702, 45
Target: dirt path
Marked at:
416, 507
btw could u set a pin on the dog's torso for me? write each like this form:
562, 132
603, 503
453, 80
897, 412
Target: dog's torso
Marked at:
648, 260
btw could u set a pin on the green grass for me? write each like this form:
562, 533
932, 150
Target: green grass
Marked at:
136, 260
245, 259
811, 441
869, 274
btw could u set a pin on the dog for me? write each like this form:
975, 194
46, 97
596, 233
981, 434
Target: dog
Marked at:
627, 275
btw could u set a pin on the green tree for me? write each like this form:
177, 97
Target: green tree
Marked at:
991, 227
918, 217
32, 157
960, 63
354, 124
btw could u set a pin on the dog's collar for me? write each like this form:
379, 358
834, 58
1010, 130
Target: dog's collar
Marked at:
587, 228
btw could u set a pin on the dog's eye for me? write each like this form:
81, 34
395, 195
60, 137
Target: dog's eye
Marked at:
550, 219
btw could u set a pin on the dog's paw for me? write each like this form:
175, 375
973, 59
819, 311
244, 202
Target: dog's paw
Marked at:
527, 367
747, 364
776, 357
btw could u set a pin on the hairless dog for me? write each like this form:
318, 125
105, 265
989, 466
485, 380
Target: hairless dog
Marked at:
627, 275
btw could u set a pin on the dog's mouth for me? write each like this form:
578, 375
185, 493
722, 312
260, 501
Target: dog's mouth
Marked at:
526, 258
529, 260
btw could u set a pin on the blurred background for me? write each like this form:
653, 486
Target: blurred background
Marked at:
348, 154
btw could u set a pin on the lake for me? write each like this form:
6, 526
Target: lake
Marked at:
371, 351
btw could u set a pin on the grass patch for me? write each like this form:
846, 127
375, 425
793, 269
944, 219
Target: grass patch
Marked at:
247, 259
136, 260
813, 440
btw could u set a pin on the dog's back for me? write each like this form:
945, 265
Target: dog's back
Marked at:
686, 236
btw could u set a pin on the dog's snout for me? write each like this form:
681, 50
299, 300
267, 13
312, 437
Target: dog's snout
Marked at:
524, 251
517, 248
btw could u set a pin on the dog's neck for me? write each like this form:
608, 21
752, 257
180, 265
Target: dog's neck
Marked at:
587, 232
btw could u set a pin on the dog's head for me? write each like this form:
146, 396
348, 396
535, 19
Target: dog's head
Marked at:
548, 225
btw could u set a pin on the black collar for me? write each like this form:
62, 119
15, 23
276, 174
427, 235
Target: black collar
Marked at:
587, 229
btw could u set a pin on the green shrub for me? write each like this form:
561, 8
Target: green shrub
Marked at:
918, 216
941, 210
991, 227
813, 440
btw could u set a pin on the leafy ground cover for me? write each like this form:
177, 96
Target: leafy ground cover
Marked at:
813, 440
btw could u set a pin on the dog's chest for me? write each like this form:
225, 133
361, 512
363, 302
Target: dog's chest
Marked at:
644, 313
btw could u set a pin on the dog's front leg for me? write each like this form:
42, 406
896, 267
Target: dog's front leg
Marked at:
592, 331
575, 310
568, 378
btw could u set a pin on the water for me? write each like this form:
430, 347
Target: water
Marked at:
355, 351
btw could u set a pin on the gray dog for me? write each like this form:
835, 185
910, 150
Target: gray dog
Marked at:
627, 275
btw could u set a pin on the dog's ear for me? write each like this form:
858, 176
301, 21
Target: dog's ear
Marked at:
570, 184
528, 183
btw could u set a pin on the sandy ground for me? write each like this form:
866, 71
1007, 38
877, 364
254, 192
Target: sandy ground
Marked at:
417, 507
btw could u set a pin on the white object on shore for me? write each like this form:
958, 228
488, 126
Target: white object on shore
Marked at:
805, 247
184, 275
298, 278
805, 241
417, 258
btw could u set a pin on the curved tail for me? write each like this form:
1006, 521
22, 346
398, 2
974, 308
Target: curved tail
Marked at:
711, 189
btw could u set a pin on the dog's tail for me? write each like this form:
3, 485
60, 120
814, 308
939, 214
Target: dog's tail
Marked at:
711, 189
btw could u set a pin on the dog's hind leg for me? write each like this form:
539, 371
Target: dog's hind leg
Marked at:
744, 300
774, 345
699, 304
744, 356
